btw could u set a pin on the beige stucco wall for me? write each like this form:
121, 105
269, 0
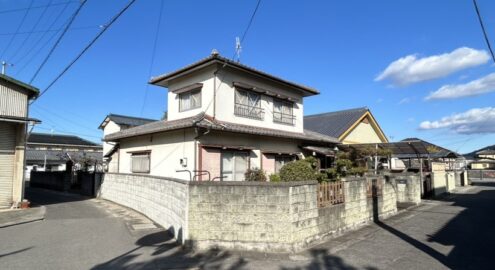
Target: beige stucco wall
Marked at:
110, 128
362, 133
166, 151
226, 97
224, 107
206, 78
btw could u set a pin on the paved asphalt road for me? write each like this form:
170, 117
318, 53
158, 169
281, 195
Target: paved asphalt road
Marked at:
455, 233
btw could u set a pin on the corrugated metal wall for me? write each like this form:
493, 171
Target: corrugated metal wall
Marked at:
12, 102
7, 154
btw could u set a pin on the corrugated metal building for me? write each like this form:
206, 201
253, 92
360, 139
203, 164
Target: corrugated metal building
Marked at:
14, 97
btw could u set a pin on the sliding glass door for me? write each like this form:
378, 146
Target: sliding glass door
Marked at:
234, 165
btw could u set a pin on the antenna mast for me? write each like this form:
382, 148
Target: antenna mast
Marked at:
4, 67
238, 48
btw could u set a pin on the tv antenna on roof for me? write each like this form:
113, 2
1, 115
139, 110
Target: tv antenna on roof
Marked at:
238, 48
5, 65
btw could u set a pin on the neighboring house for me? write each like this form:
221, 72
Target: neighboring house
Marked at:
114, 123
486, 154
14, 98
51, 152
223, 118
351, 126
483, 164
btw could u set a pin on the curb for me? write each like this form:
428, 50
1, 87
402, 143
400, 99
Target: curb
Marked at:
23, 220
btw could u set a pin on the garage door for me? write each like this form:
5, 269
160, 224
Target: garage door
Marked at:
7, 151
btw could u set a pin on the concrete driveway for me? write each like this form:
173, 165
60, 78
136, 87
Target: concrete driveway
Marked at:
78, 233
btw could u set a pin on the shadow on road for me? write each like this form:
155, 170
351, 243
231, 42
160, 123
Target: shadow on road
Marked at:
167, 254
470, 232
15, 252
40, 196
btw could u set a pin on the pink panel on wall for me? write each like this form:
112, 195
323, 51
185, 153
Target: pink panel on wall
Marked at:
268, 163
211, 160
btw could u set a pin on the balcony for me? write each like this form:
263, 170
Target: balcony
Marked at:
283, 118
249, 111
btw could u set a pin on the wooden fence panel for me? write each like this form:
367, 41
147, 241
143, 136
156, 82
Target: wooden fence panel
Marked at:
330, 193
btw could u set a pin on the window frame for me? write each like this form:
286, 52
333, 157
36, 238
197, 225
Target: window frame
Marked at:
289, 104
140, 153
234, 152
190, 93
257, 106
292, 157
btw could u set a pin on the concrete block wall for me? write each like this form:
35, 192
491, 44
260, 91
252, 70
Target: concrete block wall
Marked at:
164, 200
262, 216
450, 179
277, 217
407, 187
241, 215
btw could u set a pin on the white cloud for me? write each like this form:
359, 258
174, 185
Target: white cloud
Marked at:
411, 69
404, 101
473, 88
474, 121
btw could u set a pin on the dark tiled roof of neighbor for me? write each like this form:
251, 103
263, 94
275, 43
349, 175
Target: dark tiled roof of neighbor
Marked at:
129, 120
58, 156
333, 124
216, 58
46, 138
204, 121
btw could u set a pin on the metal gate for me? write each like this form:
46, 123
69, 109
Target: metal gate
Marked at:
7, 156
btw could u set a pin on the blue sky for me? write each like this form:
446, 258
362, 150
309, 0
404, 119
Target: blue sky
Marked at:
338, 47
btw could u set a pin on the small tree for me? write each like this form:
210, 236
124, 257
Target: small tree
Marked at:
299, 170
255, 175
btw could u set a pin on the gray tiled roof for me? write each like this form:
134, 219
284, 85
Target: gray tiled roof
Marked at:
59, 156
333, 124
201, 120
129, 120
46, 138
216, 58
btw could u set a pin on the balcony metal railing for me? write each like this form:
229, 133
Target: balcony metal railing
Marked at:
249, 111
283, 118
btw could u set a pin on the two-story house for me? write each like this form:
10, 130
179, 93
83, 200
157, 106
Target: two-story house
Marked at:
14, 102
114, 123
223, 118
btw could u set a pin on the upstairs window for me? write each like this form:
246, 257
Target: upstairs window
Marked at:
283, 112
140, 162
190, 100
248, 104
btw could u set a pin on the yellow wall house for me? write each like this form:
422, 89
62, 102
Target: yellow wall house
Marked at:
14, 97
349, 126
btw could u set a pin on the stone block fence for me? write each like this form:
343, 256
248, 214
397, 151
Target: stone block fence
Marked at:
261, 216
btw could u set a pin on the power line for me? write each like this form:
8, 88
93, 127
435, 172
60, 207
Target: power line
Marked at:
246, 30
36, 7
59, 15
250, 20
103, 30
58, 40
153, 52
483, 29
31, 32
16, 31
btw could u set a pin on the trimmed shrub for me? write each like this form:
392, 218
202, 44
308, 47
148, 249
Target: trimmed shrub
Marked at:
357, 171
299, 170
255, 175
275, 177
